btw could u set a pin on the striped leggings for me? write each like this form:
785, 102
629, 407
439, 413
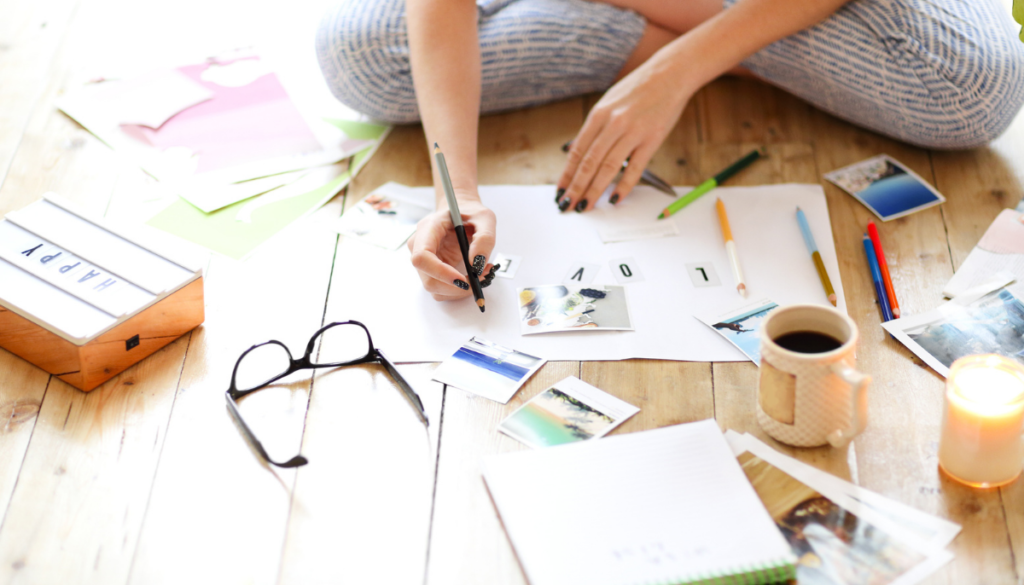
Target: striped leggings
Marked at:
936, 73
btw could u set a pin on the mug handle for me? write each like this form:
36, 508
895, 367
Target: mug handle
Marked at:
858, 420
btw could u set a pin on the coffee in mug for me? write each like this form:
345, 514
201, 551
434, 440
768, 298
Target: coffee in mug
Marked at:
809, 393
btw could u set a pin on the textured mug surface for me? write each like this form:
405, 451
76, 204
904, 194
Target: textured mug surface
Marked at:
811, 399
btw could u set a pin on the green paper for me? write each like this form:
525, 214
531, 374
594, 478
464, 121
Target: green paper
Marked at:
358, 130
221, 232
1018, 15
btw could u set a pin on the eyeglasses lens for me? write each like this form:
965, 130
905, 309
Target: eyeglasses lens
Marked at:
341, 344
261, 365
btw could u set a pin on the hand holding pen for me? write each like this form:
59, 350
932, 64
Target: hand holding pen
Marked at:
437, 255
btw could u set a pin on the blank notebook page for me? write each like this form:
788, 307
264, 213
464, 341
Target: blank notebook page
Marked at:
669, 505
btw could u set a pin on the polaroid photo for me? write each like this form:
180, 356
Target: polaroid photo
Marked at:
834, 539
993, 323
386, 218
886, 187
543, 309
742, 326
567, 412
488, 369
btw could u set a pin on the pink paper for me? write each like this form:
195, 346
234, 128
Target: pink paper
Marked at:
1005, 235
238, 125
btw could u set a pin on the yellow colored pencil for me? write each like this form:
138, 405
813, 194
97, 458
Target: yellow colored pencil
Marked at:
730, 248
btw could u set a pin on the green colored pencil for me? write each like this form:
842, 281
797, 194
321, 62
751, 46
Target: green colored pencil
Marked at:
710, 184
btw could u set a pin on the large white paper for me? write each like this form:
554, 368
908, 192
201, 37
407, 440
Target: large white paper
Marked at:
408, 324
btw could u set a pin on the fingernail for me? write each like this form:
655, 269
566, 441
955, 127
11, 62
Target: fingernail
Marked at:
461, 284
493, 271
564, 205
558, 194
485, 283
478, 264
581, 205
566, 146
614, 199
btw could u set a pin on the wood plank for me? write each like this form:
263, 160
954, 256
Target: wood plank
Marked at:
978, 184
468, 543
22, 388
31, 33
905, 398
89, 462
667, 393
737, 110
208, 476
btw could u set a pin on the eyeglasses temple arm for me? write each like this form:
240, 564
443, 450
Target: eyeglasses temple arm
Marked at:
296, 461
414, 398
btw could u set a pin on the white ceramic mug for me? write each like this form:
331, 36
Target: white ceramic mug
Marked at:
811, 399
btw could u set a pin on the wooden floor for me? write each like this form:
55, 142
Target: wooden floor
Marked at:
147, 480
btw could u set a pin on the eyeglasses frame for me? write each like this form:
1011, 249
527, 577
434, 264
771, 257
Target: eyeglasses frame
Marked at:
373, 355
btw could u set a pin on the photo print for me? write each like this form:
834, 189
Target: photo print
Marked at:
567, 412
488, 369
386, 218
543, 309
833, 546
886, 187
992, 324
742, 326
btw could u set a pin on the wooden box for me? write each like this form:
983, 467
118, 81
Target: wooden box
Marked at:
84, 300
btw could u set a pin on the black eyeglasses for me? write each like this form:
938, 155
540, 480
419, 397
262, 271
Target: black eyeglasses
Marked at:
346, 343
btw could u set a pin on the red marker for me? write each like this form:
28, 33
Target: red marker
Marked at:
889, 291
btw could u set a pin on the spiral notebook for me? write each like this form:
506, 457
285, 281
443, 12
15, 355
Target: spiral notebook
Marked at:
669, 505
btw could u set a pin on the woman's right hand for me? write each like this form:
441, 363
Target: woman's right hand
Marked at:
436, 254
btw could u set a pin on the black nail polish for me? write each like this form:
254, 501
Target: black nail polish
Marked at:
566, 146
478, 264
564, 205
558, 194
485, 283
581, 205
461, 284
492, 272
614, 199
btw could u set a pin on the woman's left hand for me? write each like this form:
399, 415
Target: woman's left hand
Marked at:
630, 121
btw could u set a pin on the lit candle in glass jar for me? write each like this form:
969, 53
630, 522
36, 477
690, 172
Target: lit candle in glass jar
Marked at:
982, 421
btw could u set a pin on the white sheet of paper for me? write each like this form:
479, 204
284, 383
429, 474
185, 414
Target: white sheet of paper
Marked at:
391, 225
210, 197
408, 324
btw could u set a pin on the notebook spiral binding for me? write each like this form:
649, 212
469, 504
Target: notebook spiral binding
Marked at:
780, 571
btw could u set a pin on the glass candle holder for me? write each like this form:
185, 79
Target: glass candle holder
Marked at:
982, 421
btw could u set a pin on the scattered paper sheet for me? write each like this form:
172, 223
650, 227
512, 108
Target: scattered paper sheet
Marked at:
836, 539
385, 218
1001, 249
567, 412
886, 186
211, 196
488, 369
508, 263
229, 120
742, 326
411, 326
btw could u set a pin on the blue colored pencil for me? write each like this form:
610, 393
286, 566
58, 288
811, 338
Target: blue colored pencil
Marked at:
812, 247
876, 276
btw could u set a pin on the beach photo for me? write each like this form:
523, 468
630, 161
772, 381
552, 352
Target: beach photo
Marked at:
382, 220
832, 545
886, 187
992, 324
572, 308
742, 326
487, 369
569, 411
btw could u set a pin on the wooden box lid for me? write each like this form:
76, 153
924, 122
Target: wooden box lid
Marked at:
79, 276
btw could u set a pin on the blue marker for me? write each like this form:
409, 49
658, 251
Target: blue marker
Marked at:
876, 276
